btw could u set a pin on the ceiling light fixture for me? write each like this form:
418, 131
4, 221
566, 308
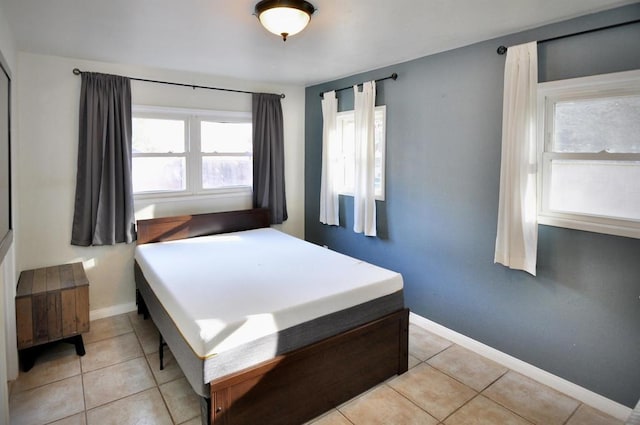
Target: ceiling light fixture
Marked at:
284, 17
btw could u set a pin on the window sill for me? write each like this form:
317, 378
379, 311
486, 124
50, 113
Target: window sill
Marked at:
613, 227
159, 197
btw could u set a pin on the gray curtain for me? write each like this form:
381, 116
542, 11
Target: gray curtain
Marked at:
268, 156
103, 213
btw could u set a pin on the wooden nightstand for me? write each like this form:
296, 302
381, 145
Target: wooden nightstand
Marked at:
52, 304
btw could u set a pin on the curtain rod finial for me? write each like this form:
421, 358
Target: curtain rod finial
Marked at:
394, 76
501, 50
76, 71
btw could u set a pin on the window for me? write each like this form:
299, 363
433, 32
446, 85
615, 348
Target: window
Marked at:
345, 175
183, 152
590, 154
226, 149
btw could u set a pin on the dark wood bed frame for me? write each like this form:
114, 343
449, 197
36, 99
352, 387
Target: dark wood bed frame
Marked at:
300, 385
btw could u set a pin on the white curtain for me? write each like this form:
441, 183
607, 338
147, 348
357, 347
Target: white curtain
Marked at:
364, 202
517, 236
328, 192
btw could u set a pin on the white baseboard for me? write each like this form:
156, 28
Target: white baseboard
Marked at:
579, 393
112, 311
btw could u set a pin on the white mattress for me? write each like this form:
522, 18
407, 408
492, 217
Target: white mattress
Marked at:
226, 290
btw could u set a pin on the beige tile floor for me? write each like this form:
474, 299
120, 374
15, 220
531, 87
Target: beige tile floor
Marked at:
119, 382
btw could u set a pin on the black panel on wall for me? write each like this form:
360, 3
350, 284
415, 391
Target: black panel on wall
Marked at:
5, 160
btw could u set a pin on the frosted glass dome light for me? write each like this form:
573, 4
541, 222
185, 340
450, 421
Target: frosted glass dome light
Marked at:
284, 17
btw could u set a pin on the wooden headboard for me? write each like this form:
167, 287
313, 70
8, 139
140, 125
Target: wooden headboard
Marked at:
190, 226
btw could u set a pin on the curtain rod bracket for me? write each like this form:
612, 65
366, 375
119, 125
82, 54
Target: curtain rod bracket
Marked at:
393, 77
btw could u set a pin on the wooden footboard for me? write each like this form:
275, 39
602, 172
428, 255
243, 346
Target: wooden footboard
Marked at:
298, 386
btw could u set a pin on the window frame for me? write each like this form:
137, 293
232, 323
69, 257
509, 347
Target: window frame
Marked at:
550, 93
193, 153
342, 189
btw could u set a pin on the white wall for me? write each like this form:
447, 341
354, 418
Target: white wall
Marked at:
4, 389
8, 366
48, 94
8, 342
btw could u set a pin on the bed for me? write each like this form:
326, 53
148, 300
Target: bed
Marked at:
267, 328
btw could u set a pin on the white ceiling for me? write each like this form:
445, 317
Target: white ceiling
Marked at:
222, 37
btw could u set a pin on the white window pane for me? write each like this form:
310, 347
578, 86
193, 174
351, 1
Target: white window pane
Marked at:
380, 125
226, 137
609, 124
377, 176
601, 188
154, 135
344, 176
349, 156
348, 152
225, 171
159, 174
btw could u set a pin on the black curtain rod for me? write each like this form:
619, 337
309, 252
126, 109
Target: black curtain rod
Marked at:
76, 71
502, 49
393, 76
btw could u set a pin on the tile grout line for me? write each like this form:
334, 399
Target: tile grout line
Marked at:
146, 359
580, 394
83, 372
511, 410
157, 386
539, 383
493, 382
345, 417
460, 407
411, 401
121, 361
573, 413
425, 362
496, 380
505, 407
480, 392
437, 353
86, 410
109, 337
458, 380
157, 383
508, 409
164, 402
84, 398
84, 402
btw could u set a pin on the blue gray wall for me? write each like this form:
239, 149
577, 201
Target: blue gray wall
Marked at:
580, 318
